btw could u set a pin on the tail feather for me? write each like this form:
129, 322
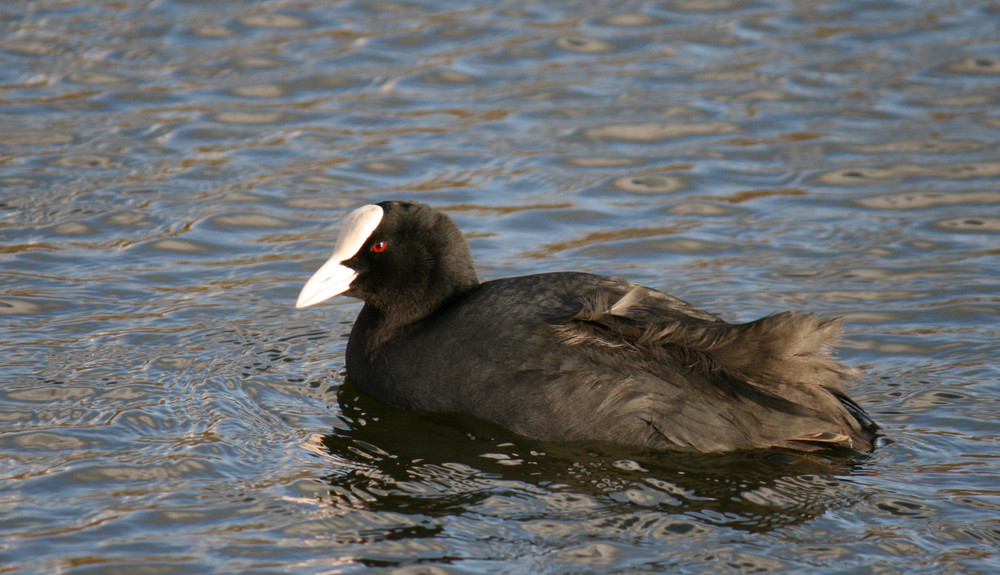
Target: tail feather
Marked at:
786, 348
782, 362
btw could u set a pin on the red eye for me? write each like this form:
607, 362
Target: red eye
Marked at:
379, 247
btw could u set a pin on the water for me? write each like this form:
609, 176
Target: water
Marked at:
173, 171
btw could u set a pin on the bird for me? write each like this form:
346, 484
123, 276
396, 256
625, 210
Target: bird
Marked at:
576, 357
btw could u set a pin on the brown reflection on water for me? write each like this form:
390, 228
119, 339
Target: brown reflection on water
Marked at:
904, 172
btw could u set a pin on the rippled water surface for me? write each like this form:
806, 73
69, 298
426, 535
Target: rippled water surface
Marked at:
172, 171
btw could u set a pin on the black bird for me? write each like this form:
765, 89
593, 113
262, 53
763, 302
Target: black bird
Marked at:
574, 356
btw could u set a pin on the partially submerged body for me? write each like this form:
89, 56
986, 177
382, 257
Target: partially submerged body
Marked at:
573, 356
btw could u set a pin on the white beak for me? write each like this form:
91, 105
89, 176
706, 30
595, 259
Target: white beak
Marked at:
334, 278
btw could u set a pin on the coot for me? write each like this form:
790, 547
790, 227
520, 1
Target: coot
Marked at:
574, 356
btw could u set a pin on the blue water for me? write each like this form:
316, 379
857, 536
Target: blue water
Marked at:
171, 172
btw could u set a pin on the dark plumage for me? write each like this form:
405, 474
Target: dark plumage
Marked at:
574, 356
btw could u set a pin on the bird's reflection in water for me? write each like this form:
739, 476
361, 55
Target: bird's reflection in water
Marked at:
388, 459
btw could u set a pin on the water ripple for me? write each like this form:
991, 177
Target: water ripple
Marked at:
169, 177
